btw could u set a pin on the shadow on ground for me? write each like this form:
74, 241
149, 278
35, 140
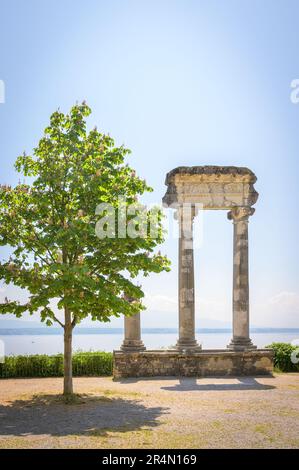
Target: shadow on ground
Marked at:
244, 383
193, 383
94, 416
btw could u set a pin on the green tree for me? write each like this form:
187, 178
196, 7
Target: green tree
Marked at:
50, 225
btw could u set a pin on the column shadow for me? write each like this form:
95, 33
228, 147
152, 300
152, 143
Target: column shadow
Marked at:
244, 383
191, 383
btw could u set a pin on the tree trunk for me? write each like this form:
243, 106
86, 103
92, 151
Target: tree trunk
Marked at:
67, 359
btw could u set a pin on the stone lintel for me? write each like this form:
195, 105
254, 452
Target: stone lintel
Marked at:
214, 187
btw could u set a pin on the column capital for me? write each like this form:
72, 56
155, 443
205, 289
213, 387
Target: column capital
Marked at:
185, 211
240, 214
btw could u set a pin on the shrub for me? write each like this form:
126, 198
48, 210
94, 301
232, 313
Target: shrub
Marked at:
282, 357
41, 365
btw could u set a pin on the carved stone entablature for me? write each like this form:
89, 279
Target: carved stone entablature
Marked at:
215, 187
189, 189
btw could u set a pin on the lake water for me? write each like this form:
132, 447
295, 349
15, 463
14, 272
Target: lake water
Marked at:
24, 342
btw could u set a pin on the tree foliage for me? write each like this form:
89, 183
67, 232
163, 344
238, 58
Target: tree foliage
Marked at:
50, 225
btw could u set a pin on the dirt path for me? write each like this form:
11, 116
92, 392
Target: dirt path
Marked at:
162, 413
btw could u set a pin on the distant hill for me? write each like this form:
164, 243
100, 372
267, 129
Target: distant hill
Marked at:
149, 323
21, 324
171, 324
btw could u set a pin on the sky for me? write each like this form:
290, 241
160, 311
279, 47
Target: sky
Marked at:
180, 83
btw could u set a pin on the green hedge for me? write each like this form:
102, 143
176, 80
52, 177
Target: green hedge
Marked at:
282, 357
84, 364
100, 363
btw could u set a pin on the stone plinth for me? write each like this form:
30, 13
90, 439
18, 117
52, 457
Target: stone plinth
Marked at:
205, 363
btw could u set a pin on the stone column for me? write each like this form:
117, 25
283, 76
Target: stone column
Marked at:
240, 340
185, 215
132, 340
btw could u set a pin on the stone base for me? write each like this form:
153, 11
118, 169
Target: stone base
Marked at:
187, 345
205, 363
132, 345
241, 344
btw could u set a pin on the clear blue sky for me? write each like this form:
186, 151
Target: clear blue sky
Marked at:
180, 83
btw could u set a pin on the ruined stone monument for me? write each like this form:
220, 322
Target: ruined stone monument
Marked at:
210, 188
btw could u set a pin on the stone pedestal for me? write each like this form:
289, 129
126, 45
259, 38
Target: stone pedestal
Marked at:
132, 340
186, 339
241, 340
205, 363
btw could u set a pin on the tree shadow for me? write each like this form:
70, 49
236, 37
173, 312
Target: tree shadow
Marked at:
94, 416
244, 383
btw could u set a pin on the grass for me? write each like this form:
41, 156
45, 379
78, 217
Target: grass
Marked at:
262, 428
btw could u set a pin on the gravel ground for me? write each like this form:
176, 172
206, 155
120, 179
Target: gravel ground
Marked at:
152, 413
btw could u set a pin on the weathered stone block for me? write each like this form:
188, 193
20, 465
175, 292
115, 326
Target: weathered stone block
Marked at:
198, 364
216, 187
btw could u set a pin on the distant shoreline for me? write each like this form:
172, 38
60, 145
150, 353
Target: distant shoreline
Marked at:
112, 331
